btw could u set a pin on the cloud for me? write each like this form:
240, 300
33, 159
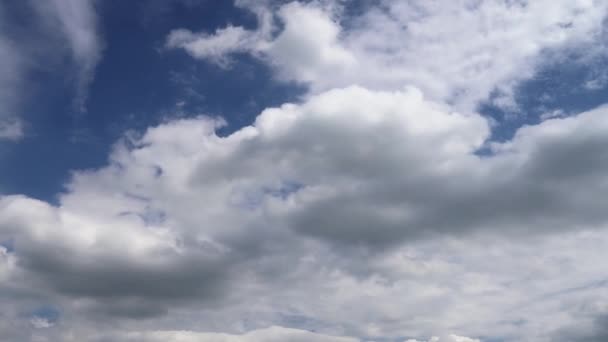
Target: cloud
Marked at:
306, 49
215, 47
10, 129
272, 334
451, 338
219, 46
7, 263
10, 84
489, 47
41, 323
56, 29
364, 210
77, 21
269, 225
592, 330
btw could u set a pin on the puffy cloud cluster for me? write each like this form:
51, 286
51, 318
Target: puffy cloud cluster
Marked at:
374, 211
318, 209
306, 50
456, 52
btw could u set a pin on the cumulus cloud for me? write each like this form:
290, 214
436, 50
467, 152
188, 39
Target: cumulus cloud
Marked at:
486, 49
278, 215
7, 262
306, 50
374, 211
215, 47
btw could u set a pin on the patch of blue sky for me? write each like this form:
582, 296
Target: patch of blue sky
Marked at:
138, 84
46, 312
8, 245
284, 190
295, 320
560, 88
251, 199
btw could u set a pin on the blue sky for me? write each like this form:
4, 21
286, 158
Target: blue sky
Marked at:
137, 84
324, 170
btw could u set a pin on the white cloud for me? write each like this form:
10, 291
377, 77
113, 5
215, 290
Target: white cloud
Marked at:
460, 52
306, 50
41, 323
361, 211
272, 334
455, 52
269, 225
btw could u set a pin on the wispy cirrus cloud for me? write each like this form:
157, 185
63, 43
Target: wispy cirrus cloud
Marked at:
60, 35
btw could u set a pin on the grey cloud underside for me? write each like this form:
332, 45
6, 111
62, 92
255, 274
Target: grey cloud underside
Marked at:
537, 182
182, 217
369, 177
367, 211
111, 277
593, 327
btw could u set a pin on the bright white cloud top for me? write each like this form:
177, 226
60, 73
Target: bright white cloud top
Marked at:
376, 208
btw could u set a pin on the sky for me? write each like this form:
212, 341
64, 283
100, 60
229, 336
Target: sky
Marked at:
303, 170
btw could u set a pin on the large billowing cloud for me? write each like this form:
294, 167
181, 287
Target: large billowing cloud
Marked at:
276, 220
372, 211
58, 32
